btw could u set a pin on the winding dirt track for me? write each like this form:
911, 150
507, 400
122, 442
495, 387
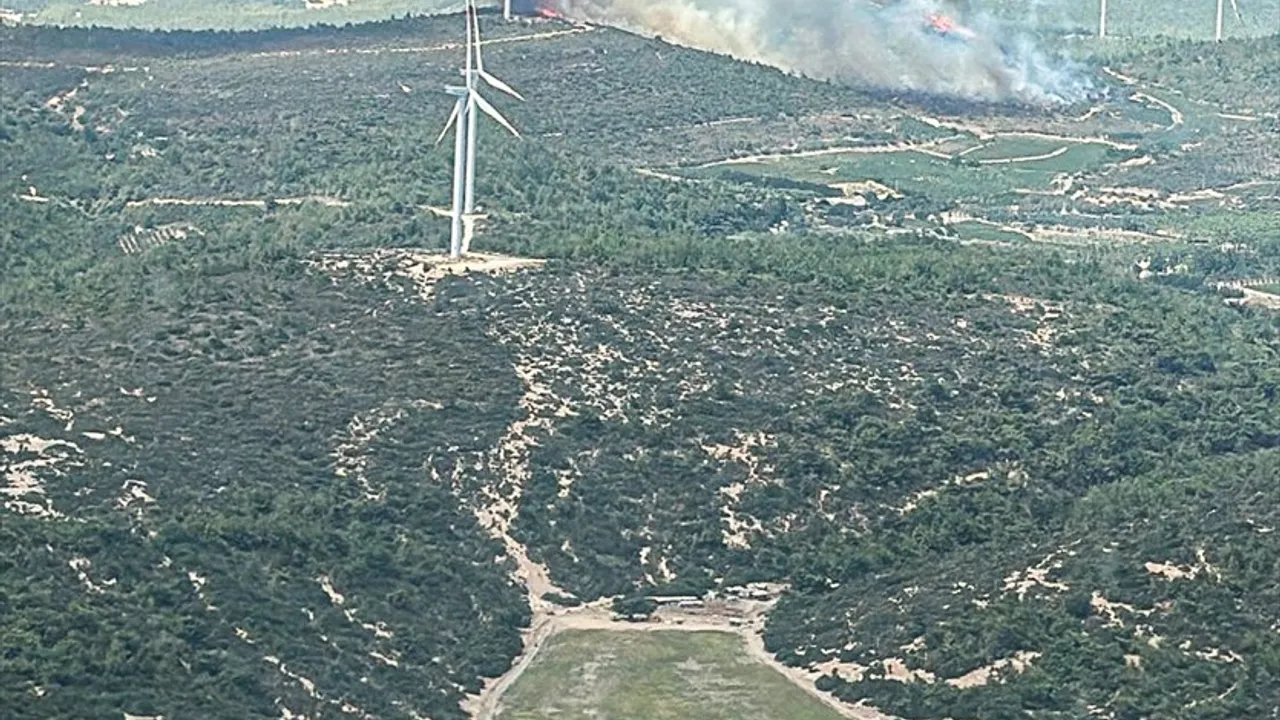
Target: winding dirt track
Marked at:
325, 200
843, 150
415, 49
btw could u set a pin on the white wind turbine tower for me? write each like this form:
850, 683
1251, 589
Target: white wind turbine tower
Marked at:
1217, 31
468, 101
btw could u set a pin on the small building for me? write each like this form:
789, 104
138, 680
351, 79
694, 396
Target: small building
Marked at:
674, 599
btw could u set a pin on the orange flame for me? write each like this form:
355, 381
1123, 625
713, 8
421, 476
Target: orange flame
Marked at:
942, 23
550, 13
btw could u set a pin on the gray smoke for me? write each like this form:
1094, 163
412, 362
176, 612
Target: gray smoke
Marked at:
854, 41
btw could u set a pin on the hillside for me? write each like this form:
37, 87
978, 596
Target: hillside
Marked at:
989, 390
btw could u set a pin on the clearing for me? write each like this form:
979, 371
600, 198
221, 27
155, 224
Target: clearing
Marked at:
655, 675
959, 168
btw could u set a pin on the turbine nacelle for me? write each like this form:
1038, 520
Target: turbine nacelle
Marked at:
489, 80
469, 100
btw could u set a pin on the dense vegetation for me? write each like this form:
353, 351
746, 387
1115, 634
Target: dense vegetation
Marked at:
245, 382
721, 377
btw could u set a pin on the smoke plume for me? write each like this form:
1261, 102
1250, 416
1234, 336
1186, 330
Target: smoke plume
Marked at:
900, 45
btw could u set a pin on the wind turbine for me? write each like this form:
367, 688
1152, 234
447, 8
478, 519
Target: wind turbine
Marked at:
1217, 32
468, 101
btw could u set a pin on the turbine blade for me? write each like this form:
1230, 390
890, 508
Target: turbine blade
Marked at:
493, 113
499, 85
1236, 8
476, 30
469, 30
453, 117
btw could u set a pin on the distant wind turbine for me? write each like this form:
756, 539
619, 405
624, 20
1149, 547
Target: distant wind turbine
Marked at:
468, 101
1217, 31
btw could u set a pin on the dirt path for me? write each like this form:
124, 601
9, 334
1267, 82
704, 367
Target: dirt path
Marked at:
661, 175
1176, 117
496, 509
417, 49
840, 150
1088, 235
1083, 140
325, 200
211, 202
929, 148
285, 54
961, 127
28, 64
1251, 296
91, 69
1061, 233
1024, 159
1126, 79
1260, 299
986, 135
487, 705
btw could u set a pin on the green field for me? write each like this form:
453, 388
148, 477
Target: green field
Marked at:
985, 232
999, 166
655, 676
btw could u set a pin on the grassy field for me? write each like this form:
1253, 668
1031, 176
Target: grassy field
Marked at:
972, 230
655, 676
997, 167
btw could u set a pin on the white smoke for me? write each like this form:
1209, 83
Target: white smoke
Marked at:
854, 41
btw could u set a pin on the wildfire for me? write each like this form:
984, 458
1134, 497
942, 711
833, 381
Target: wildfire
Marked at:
545, 10
941, 23
946, 26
